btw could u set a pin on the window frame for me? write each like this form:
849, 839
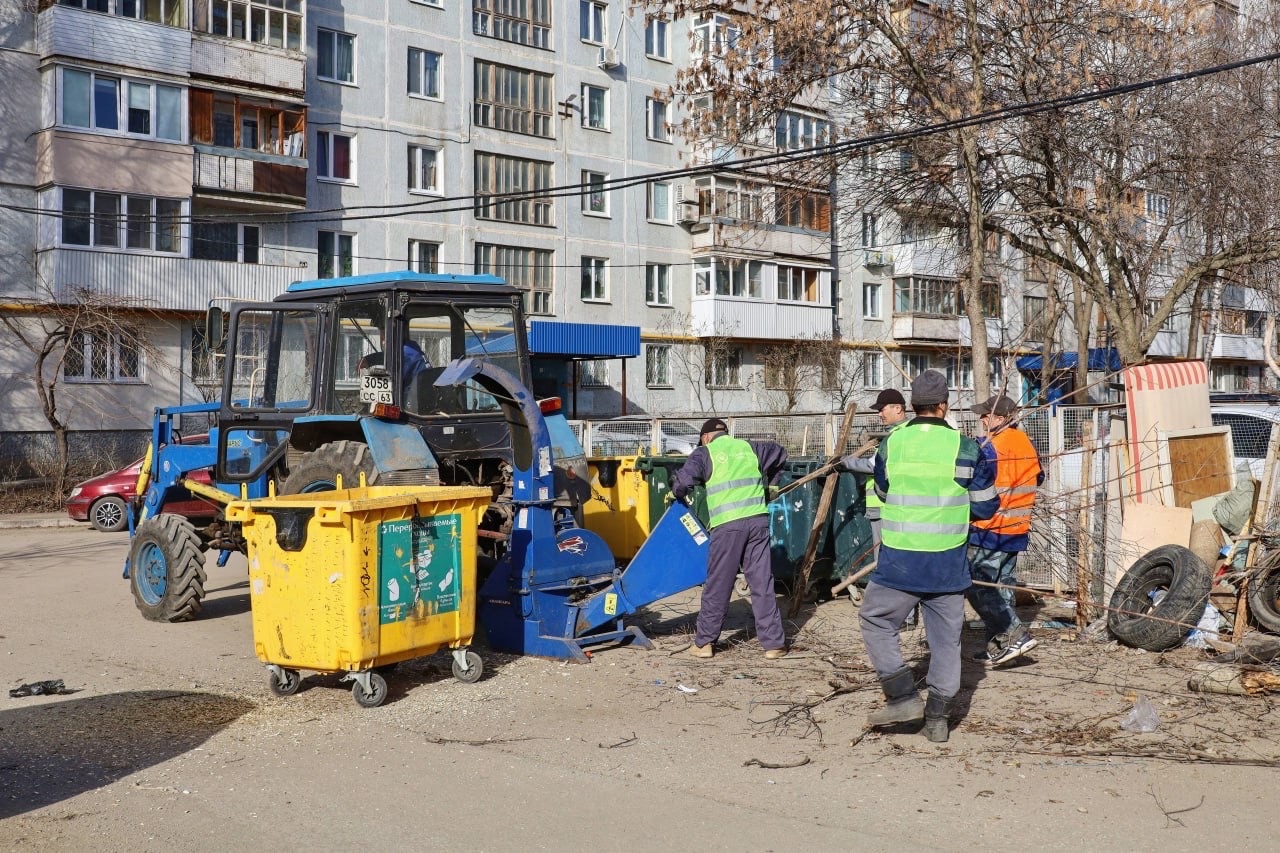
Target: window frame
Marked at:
114, 341
488, 185
595, 278
531, 112
876, 290
415, 164
724, 368
335, 258
657, 366
657, 294
873, 379
651, 105
415, 256
97, 220
659, 45
531, 30
595, 195
585, 94
594, 376
332, 46
650, 214
124, 85
530, 269
325, 149
593, 22
436, 74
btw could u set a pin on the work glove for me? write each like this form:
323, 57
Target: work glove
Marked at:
668, 498
771, 493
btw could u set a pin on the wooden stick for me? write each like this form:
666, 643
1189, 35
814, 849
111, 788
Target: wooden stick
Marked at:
1261, 506
820, 518
854, 578
825, 469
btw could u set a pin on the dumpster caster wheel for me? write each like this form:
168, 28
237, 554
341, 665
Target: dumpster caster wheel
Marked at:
467, 666
284, 682
372, 696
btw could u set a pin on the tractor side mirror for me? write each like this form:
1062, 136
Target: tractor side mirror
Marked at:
215, 330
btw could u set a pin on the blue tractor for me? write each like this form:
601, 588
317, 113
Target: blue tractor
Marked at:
336, 380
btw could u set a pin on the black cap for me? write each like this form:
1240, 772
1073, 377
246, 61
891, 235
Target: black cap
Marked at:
999, 405
889, 397
714, 425
929, 389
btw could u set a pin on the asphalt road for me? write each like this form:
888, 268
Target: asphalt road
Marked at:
172, 741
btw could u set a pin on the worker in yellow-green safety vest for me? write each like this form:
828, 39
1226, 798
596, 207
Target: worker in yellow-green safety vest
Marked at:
892, 409
933, 481
736, 474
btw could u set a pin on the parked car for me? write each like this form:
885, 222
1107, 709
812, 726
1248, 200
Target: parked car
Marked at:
1250, 432
624, 436
103, 500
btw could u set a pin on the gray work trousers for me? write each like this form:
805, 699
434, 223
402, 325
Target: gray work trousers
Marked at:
744, 543
884, 609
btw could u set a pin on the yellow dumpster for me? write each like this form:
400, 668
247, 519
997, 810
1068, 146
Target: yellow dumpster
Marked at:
350, 580
618, 509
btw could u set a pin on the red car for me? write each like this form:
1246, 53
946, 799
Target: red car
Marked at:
103, 501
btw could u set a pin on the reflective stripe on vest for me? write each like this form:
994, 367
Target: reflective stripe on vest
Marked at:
874, 503
735, 489
925, 509
1017, 469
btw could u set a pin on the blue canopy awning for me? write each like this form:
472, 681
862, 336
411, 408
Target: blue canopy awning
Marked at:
1100, 358
553, 339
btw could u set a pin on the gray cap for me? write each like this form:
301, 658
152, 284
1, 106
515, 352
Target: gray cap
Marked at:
998, 405
929, 389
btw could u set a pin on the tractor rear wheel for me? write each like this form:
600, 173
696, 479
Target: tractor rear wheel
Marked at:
318, 471
166, 569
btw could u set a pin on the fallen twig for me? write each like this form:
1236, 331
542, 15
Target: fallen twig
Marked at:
1193, 756
624, 742
488, 742
1169, 813
768, 766
857, 740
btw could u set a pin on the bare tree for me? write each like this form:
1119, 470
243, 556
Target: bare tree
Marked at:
63, 330
697, 355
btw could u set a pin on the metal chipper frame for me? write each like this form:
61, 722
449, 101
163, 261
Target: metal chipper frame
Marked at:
558, 589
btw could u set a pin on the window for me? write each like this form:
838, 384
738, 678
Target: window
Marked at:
519, 21
335, 254
724, 368
714, 34
1034, 309
593, 374
871, 308
595, 199
591, 21
657, 366
424, 256
595, 107
424, 73
225, 241
334, 156
741, 200
230, 121
656, 39
658, 202
732, 277
100, 355
656, 124
169, 12
870, 231
496, 174
796, 131
95, 101
335, 55
514, 99
873, 370
273, 22
1153, 305
921, 295
424, 169
113, 220
657, 284
799, 284
530, 269
807, 210
913, 364
595, 285
1157, 207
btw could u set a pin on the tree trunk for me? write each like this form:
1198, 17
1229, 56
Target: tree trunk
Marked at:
979, 352
1215, 322
1083, 304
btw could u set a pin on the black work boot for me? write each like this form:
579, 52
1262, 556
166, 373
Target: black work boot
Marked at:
937, 717
903, 703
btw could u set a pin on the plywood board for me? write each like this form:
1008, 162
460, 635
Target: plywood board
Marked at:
1195, 464
1170, 396
1147, 527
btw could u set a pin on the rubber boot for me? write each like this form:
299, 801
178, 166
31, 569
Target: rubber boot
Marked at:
937, 717
903, 703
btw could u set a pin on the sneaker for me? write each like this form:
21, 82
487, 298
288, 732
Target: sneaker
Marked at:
702, 651
1014, 650
774, 654
983, 656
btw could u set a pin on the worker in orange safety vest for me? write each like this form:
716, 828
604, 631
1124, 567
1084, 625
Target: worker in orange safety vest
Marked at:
994, 543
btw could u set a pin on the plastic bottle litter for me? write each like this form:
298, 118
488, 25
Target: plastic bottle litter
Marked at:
1205, 630
1142, 718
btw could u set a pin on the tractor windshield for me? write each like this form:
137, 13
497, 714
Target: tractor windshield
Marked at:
442, 333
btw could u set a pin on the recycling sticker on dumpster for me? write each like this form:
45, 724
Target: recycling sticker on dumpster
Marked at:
419, 567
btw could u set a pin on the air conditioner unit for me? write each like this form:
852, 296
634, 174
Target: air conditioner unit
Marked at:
878, 259
687, 214
608, 58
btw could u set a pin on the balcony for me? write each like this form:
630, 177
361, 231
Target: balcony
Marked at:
113, 40
247, 64
273, 182
755, 319
925, 259
159, 282
725, 233
923, 327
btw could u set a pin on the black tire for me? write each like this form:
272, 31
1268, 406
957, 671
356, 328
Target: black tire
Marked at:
1264, 595
166, 569
109, 514
376, 695
475, 668
1186, 581
318, 470
287, 687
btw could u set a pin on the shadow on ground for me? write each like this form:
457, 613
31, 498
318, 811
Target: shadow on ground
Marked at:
54, 750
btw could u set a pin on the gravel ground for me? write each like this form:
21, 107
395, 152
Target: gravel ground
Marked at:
173, 740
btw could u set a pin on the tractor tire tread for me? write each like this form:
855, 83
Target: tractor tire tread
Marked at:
184, 590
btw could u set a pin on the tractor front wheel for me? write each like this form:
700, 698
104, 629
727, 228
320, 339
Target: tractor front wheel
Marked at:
166, 569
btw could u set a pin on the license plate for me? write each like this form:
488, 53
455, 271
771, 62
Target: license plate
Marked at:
375, 389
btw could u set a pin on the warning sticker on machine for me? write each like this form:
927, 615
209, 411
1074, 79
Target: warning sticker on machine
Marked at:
695, 530
419, 567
